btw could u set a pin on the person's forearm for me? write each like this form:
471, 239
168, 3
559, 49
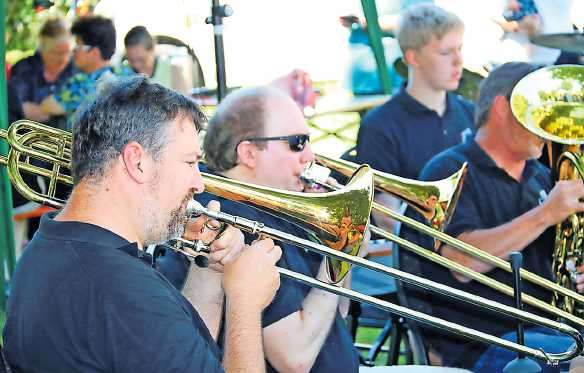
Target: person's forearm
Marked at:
33, 111
294, 342
203, 289
500, 241
51, 106
243, 342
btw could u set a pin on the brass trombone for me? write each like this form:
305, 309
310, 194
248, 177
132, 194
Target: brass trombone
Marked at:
381, 179
33, 144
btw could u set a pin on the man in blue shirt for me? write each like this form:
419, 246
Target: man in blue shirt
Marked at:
302, 328
80, 299
95, 39
423, 119
507, 204
259, 135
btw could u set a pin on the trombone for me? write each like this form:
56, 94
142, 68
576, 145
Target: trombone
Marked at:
39, 141
383, 179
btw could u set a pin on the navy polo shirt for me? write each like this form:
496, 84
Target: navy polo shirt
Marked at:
400, 136
489, 198
338, 350
80, 303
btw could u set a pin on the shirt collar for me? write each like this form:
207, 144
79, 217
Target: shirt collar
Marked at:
97, 73
481, 158
88, 233
416, 107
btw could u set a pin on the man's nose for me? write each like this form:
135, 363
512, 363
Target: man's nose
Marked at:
197, 182
307, 154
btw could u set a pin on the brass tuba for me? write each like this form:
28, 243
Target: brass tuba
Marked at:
550, 103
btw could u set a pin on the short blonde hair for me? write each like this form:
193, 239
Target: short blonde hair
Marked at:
419, 23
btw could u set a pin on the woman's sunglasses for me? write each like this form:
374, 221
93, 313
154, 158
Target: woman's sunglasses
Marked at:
296, 142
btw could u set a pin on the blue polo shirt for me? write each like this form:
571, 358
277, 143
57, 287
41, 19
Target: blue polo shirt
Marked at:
82, 302
400, 136
338, 352
489, 198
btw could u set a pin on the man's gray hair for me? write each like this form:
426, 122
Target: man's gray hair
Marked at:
241, 115
125, 110
419, 23
500, 82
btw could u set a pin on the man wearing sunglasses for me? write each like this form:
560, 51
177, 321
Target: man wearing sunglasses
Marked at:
95, 38
259, 135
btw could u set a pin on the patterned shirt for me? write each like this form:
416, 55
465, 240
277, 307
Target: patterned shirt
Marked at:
81, 88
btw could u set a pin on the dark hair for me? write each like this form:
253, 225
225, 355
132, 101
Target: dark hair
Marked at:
126, 109
500, 82
98, 32
242, 114
54, 27
139, 35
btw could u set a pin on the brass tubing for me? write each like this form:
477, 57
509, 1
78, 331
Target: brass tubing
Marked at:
194, 208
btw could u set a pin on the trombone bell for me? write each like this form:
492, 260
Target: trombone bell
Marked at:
338, 219
435, 200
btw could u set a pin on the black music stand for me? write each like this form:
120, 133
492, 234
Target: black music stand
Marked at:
520, 364
218, 12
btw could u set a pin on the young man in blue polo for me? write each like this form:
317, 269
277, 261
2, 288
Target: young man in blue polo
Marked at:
424, 118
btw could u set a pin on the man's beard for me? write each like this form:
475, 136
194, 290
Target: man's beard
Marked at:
158, 230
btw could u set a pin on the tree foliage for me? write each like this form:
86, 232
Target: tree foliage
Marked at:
25, 17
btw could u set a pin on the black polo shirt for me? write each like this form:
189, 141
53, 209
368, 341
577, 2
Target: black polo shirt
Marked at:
489, 198
400, 136
337, 353
80, 303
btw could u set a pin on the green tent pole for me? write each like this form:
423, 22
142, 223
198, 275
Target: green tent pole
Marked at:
374, 33
7, 259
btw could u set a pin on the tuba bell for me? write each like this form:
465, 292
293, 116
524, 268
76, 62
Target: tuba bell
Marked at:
550, 104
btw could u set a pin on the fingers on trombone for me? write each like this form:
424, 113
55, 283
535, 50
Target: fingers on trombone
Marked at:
274, 251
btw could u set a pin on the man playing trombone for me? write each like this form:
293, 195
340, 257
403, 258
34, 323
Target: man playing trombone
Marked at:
507, 204
82, 300
258, 135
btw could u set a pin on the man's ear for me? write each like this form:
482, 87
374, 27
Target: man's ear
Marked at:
247, 153
501, 108
135, 161
411, 58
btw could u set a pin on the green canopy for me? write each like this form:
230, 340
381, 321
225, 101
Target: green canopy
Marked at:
374, 32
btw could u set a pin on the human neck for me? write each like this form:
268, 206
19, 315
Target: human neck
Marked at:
430, 97
52, 72
103, 205
97, 65
496, 148
239, 173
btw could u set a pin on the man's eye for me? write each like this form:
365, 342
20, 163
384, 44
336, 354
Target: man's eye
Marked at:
192, 164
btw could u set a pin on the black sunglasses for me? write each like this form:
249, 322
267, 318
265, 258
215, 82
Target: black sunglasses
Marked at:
296, 142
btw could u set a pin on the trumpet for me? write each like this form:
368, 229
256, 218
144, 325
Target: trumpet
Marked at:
33, 140
381, 178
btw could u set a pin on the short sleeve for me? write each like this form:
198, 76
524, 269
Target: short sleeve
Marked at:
377, 145
290, 294
71, 93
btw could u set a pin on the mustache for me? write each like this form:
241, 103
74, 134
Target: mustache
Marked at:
189, 196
